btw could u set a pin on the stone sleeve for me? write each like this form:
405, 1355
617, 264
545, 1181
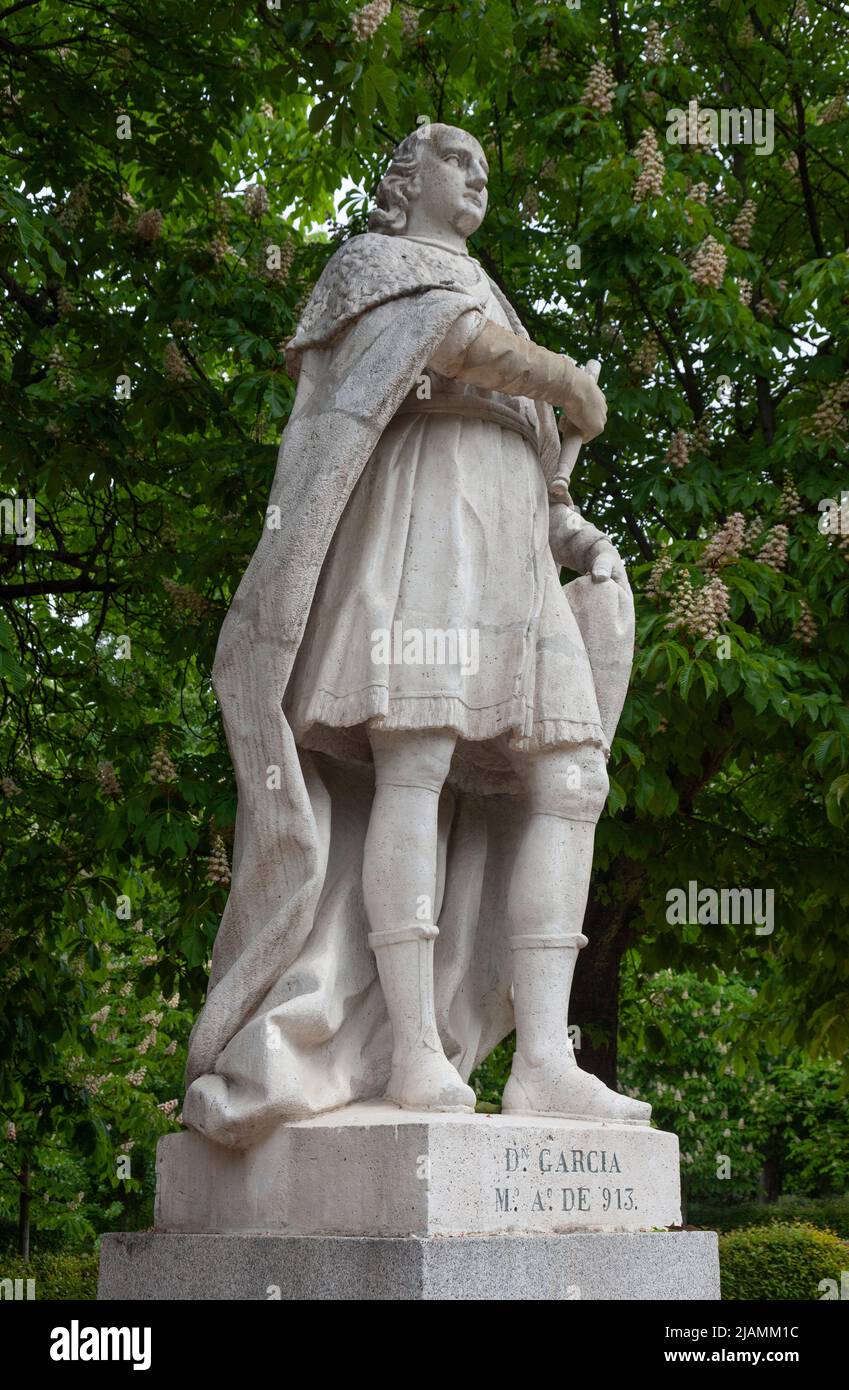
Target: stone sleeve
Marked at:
448, 357
499, 360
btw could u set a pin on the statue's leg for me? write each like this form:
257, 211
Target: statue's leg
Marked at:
399, 887
566, 791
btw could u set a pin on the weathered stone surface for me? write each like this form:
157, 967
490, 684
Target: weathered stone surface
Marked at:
681, 1265
376, 1169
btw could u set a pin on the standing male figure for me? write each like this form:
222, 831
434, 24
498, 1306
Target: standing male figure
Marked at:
439, 800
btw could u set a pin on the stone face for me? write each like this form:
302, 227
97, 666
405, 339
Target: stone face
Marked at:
681, 1265
374, 1168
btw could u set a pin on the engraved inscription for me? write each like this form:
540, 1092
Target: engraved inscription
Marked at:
523, 1165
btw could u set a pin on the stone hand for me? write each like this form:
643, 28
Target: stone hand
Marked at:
607, 564
581, 547
584, 405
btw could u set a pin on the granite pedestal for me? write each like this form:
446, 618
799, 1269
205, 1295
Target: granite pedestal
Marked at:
375, 1202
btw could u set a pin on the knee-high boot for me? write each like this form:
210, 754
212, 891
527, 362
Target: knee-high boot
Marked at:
545, 1078
422, 1077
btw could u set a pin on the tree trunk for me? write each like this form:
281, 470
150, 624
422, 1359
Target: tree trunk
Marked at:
24, 1201
594, 1005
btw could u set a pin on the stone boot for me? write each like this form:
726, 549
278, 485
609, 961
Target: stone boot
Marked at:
422, 1077
545, 1078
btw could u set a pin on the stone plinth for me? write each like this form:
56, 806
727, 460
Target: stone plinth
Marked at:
641, 1266
376, 1170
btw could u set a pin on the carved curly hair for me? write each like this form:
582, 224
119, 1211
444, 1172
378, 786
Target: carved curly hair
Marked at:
390, 214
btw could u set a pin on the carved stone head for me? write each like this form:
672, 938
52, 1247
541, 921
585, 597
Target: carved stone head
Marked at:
437, 175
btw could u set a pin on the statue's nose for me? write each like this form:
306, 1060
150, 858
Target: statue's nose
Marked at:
477, 180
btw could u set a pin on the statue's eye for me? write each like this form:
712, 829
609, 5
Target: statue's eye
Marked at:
452, 159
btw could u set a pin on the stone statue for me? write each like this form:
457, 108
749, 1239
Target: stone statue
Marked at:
418, 713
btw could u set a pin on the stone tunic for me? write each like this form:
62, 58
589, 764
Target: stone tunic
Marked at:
439, 604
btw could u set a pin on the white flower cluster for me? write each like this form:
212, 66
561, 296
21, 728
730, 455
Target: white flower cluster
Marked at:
678, 453
74, 207
175, 365
645, 358
58, 363
530, 204
218, 248
708, 263
256, 201
805, 627
218, 865
660, 567
368, 20
727, 544
161, 769
409, 21
774, 550
654, 51
791, 502
599, 89
148, 225
829, 418
744, 224
649, 182
94, 1084
700, 611
701, 438
98, 1018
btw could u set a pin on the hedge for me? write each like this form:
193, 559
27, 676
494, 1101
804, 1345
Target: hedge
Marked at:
780, 1261
56, 1275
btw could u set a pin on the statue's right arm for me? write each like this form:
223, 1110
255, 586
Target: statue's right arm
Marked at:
499, 360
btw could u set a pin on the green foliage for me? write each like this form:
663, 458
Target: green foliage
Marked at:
826, 1213
741, 1119
490, 1078
142, 394
779, 1262
57, 1275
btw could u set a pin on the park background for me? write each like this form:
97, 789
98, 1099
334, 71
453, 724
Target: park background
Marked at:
173, 178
